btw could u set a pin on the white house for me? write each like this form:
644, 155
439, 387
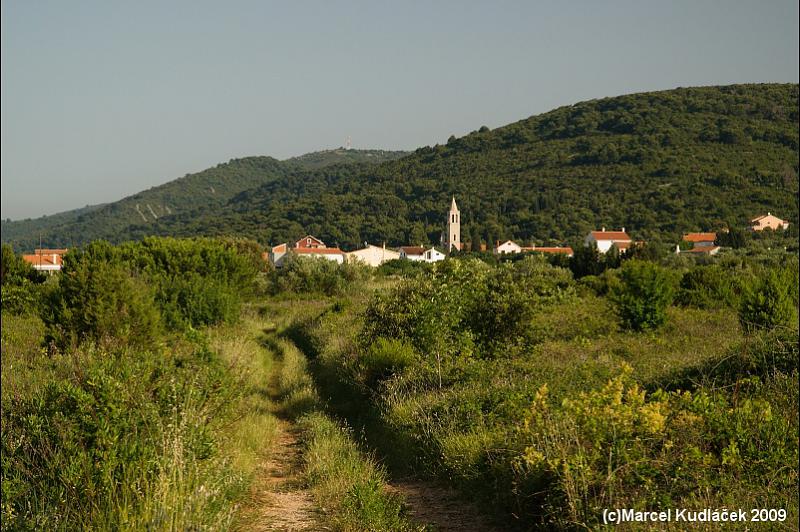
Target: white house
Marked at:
509, 246
333, 254
414, 253
433, 255
605, 239
372, 255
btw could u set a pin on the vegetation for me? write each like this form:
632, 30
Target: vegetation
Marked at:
658, 163
325, 158
518, 384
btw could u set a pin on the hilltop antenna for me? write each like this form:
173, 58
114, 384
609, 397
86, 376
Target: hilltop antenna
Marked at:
348, 144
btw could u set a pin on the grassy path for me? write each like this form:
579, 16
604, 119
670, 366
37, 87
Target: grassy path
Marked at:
313, 476
278, 498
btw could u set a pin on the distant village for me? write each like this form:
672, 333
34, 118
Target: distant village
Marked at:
49, 260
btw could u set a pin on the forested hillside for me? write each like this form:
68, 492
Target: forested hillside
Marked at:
656, 163
199, 194
321, 159
192, 196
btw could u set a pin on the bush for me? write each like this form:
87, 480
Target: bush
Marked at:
100, 301
769, 303
317, 276
384, 358
644, 295
708, 287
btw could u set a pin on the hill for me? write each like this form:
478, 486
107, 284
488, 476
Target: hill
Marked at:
656, 163
324, 158
197, 195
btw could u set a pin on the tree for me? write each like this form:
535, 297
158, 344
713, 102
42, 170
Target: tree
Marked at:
586, 260
644, 294
475, 238
769, 303
417, 235
733, 238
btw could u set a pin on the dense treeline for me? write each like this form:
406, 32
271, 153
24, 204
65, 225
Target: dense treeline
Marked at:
656, 163
193, 195
654, 384
115, 406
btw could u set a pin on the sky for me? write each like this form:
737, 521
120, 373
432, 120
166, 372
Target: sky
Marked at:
102, 99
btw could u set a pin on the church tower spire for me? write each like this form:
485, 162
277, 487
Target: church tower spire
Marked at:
451, 239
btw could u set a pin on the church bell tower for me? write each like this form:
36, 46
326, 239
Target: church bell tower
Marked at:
451, 239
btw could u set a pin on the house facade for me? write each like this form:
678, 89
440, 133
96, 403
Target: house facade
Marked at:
372, 255
605, 239
768, 221
414, 253
509, 246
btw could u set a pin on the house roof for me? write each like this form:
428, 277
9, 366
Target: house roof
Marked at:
413, 250
318, 251
610, 235
567, 250
699, 237
49, 259
507, 242
768, 215
279, 248
701, 249
302, 240
50, 251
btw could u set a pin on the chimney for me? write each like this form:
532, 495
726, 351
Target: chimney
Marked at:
603, 229
623, 229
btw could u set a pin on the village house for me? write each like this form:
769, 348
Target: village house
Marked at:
605, 239
702, 243
414, 253
372, 255
308, 246
768, 221
46, 260
700, 239
509, 246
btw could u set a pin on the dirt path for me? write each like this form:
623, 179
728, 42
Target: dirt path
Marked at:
279, 502
438, 506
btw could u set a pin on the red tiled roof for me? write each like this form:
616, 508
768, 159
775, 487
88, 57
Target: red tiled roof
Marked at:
610, 235
43, 260
567, 250
318, 251
50, 251
413, 250
699, 237
303, 242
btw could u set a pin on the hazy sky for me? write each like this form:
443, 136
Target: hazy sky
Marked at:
101, 99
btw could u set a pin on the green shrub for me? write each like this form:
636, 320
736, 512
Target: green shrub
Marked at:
317, 276
644, 295
384, 358
97, 300
708, 287
769, 303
